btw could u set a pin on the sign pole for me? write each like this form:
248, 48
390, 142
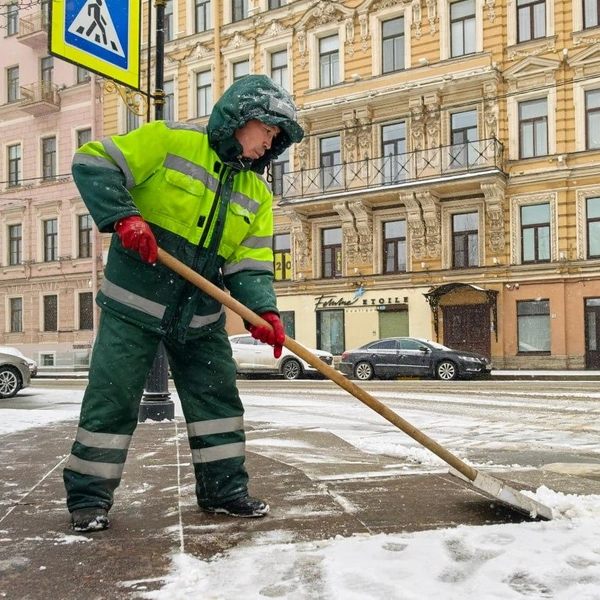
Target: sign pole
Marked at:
156, 403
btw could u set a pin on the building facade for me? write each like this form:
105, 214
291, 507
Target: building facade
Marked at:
51, 256
448, 185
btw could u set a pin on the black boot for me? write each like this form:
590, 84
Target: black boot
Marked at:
93, 518
241, 507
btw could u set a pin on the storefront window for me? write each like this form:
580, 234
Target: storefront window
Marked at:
533, 325
330, 331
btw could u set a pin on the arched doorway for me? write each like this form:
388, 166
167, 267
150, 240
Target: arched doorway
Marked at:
464, 315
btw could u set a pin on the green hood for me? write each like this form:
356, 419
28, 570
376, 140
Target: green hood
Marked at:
253, 97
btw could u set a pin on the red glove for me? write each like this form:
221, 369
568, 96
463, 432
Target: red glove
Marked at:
136, 234
274, 335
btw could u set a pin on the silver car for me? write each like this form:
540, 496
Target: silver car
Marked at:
14, 374
252, 356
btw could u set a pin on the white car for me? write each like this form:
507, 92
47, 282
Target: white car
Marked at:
252, 356
33, 366
14, 374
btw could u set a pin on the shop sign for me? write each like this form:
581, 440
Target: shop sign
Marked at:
335, 301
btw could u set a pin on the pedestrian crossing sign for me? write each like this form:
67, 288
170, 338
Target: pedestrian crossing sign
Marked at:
100, 35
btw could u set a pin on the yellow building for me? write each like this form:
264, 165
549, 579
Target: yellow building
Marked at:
447, 186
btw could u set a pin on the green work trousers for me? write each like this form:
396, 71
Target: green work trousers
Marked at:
204, 375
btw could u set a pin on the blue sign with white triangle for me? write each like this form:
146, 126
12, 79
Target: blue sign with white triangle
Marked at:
99, 27
100, 35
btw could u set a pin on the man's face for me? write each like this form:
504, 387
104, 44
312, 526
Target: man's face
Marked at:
256, 138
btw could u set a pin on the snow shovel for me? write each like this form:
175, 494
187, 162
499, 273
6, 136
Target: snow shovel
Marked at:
490, 486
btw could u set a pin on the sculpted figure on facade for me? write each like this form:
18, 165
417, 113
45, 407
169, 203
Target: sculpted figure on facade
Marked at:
301, 234
364, 227
417, 123
430, 207
350, 136
494, 207
415, 224
348, 231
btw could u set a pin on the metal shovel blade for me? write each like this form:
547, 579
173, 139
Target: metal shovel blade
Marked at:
504, 494
492, 487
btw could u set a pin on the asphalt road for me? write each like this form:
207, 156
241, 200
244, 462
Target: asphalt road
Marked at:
507, 422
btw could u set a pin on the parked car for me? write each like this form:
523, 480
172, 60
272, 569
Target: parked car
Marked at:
14, 374
252, 356
411, 357
33, 366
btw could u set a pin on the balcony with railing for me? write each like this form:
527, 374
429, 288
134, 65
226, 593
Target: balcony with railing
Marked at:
33, 30
40, 98
398, 170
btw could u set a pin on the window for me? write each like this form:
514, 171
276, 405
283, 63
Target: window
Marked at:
331, 252
204, 98
16, 315
533, 128
15, 244
50, 240
463, 33
394, 161
202, 16
279, 167
240, 69
465, 240
168, 20
533, 325
593, 227
48, 159
239, 10
394, 246
463, 152
82, 75
591, 13
169, 106
47, 77
12, 19
132, 121
392, 42
283, 256
331, 157
51, 313
14, 165
592, 119
279, 69
535, 233
83, 137
329, 61
330, 331
86, 310
277, 4
84, 229
531, 20
13, 91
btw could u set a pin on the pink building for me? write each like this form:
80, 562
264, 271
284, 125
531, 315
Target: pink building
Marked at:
50, 253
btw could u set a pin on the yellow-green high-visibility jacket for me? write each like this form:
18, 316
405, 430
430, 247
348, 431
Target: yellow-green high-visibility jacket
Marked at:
213, 215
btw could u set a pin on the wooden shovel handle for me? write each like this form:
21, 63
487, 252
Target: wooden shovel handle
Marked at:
251, 317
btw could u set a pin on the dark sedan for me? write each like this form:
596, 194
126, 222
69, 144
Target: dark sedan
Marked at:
411, 357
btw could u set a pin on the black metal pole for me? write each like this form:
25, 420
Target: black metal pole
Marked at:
156, 403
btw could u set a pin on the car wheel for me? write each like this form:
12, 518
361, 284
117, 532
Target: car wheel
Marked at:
291, 369
446, 370
10, 382
363, 371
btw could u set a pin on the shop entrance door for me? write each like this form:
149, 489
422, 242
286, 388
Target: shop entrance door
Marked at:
592, 333
467, 327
